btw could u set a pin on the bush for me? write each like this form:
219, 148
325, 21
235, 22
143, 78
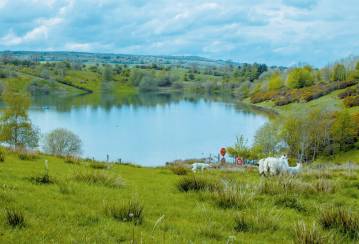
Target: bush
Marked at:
197, 183
14, 217
100, 178
308, 235
179, 169
351, 101
341, 219
131, 211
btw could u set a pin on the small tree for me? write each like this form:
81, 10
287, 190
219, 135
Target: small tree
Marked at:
15, 126
62, 142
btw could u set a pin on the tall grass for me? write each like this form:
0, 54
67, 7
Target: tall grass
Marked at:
178, 169
131, 211
342, 220
233, 196
256, 222
100, 178
292, 202
304, 234
197, 183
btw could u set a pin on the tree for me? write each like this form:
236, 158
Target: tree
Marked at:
15, 126
107, 73
300, 77
339, 73
344, 131
267, 139
275, 81
62, 142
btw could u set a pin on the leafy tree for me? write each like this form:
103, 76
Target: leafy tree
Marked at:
275, 81
16, 128
339, 73
344, 131
62, 142
300, 77
240, 148
267, 139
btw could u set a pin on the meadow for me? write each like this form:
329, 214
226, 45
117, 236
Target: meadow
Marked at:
83, 201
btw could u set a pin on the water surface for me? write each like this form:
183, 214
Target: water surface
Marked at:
148, 129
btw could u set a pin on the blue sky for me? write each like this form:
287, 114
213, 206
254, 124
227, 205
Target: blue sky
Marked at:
282, 32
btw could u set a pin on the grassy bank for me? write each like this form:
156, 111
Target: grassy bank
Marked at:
87, 202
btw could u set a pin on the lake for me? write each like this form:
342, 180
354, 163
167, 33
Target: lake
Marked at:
148, 129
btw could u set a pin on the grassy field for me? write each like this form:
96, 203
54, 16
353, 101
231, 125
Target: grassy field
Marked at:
90, 202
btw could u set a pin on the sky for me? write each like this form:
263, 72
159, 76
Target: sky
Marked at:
276, 32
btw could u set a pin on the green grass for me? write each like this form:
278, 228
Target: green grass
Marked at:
85, 204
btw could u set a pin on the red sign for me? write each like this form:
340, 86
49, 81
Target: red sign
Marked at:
223, 151
239, 161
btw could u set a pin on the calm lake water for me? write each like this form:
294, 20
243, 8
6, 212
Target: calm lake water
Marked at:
149, 129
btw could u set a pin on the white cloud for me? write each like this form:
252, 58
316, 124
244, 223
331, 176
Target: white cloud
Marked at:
79, 47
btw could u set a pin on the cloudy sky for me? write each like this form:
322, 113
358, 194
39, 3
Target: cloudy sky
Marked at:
282, 32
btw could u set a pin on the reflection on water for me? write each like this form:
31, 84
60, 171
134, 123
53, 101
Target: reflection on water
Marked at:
148, 129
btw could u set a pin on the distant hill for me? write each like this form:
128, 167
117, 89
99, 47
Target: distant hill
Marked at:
112, 58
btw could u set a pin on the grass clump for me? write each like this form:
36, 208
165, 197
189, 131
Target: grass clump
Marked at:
72, 160
342, 220
308, 235
290, 202
325, 186
179, 170
255, 222
197, 183
2, 155
14, 218
131, 211
26, 155
66, 188
99, 165
100, 178
232, 196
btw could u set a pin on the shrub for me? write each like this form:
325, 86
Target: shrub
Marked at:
290, 202
197, 183
341, 219
100, 178
14, 217
308, 235
131, 211
351, 101
179, 169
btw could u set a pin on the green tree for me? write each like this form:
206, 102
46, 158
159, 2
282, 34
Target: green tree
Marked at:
16, 128
344, 131
275, 81
339, 73
267, 139
62, 142
300, 77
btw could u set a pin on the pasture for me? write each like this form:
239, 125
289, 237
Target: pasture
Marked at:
82, 201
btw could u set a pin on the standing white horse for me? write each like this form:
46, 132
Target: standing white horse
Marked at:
273, 166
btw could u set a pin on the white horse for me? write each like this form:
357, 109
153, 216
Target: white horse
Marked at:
294, 170
273, 166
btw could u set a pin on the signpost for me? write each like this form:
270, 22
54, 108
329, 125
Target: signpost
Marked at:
223, 153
